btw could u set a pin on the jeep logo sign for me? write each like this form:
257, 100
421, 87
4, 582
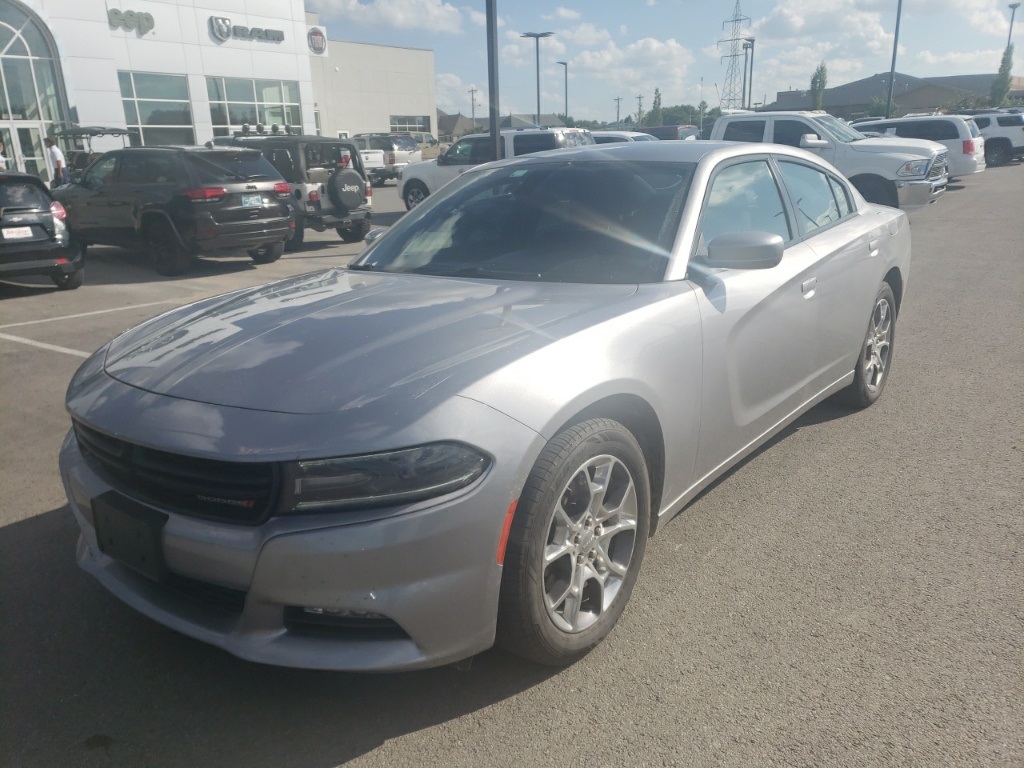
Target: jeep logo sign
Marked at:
317, 40
350, 188
222, 29
131, 20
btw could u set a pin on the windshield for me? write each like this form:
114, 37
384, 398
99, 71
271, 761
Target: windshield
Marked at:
557, 221
837, 129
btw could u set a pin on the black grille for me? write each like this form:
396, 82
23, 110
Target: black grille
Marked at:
340, 627
226, 491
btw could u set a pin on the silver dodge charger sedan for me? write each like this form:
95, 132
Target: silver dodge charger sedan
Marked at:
467, 436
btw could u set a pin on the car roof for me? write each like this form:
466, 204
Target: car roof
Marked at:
17, 176
624, 133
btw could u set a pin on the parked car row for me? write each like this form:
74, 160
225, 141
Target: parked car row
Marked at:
251, 195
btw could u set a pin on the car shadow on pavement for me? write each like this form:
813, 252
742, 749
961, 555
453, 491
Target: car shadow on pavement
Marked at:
87, 681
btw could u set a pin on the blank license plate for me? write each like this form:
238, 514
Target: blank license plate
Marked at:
252, 201
17, 233
131, 534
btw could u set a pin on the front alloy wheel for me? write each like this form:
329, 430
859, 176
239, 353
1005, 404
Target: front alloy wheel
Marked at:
576, 544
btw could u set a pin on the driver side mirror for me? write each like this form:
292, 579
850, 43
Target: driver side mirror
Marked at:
745, 250
811, 141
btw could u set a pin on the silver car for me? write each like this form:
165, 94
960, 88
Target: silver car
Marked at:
468, 435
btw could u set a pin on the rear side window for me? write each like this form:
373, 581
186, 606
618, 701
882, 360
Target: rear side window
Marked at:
973, 128
151, 168
816, 206
983, 122
233, 166
524, 144
744, 130
1010, 120
23, 195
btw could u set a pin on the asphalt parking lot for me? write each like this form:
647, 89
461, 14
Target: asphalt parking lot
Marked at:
851, 595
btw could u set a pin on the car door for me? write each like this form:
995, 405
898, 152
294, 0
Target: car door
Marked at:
89, 203
789, 131
847, 244
758, 325
463, 155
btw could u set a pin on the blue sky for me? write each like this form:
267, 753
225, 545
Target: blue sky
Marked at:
624, 49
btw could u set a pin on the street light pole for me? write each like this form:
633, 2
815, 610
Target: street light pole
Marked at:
892, 69
1013, 12
566, 65
536, 39
750, 82
618, 105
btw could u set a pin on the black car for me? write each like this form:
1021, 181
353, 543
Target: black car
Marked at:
327, 180
180, 202
34, 239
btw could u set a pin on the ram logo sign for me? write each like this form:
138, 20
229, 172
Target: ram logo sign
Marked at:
222, 29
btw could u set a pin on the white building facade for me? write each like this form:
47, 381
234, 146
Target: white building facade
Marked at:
182, 72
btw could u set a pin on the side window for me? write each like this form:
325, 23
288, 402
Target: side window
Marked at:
812, 196
982, 122
1010, 121
842, 196
102, 172
744, 130
788, 132
134, 168
461, 152
742, 198
526, 143
911, 131
945, 130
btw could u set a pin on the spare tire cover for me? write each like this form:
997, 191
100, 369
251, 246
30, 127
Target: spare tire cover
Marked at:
345, 189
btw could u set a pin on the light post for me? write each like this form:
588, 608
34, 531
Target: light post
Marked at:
750, 82
892, 69
536, 39
1013, 12
566, 65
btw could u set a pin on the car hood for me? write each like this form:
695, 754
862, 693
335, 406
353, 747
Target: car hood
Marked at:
917, 147
337, 340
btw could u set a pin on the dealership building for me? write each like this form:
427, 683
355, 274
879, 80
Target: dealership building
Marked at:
184, 71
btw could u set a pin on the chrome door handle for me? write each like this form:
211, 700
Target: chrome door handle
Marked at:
807, 286
873, 247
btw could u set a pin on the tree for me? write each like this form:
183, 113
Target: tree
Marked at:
1001, 85
818, 82
654, 117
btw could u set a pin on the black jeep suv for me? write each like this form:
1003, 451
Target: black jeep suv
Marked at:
327, 180
181, 202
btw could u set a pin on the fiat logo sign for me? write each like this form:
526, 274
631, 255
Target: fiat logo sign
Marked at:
317, 40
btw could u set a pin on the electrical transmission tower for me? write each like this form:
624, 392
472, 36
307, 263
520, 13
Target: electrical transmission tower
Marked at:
732, 91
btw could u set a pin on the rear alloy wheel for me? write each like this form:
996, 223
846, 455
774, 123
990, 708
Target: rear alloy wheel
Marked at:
68, 281
997, 153
875, 358
576, 544
355, 233
414, 194
267, 254
169, 256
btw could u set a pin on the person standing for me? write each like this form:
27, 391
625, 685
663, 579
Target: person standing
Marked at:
3, 158
60, 166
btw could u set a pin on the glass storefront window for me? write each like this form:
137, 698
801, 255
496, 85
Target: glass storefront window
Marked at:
235, 102
160, 111
410, 124
47, 90
21, 91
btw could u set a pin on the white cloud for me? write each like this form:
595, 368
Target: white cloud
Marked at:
563, 14
453, 95
965, 62
433, 15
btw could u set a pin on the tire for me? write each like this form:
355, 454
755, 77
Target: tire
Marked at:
997, 153
415, 193
68, 281
296, 240
345, 190
877, 190
875, 359
169, 257
356, 233
267, 254
599, 544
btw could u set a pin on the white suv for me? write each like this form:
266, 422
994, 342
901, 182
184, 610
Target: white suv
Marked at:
958, 133
1004, 135
416, 182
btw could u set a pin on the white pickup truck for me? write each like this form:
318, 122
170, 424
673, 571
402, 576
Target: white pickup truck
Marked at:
373, 162
904, 173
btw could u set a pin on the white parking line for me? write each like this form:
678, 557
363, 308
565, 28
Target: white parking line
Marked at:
89, 314
44, 345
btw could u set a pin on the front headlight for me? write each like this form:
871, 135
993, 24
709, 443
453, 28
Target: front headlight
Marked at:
914, 168
380, 479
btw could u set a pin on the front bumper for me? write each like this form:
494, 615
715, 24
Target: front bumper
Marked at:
919, 193
431, 572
